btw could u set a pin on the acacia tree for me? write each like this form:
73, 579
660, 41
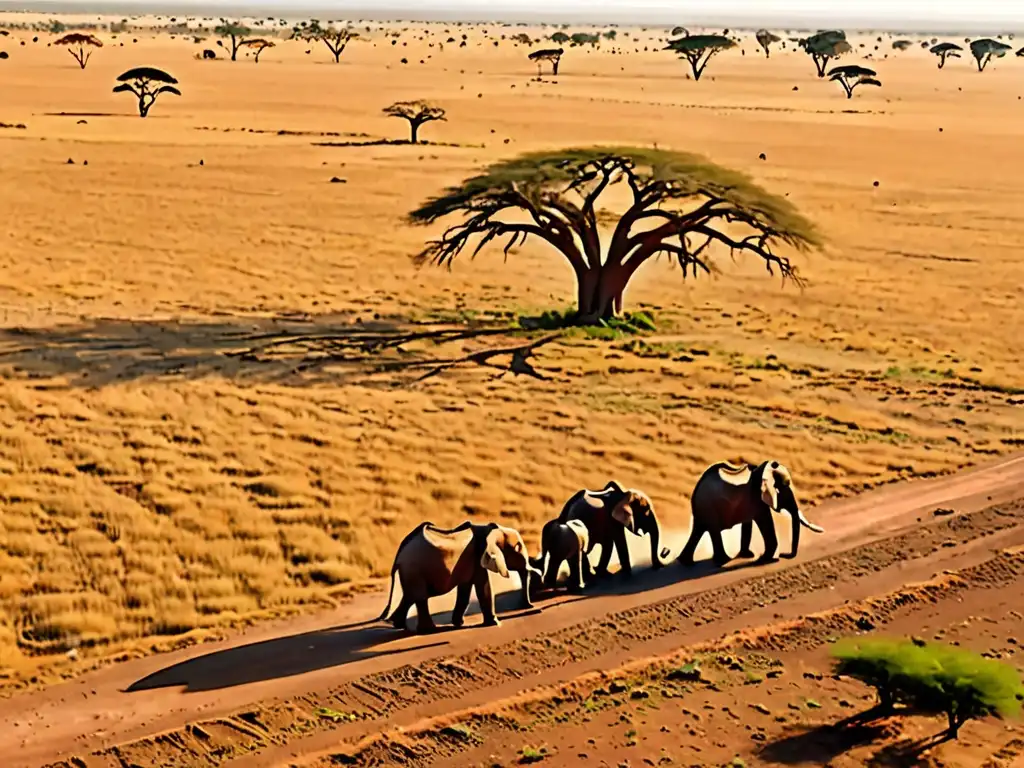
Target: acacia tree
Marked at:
825, 46
560, 37
82, 54
944, 51
234, 31
417, 113
902, 45
852, 75
679, 32
259, 44
698, 50
146, 83
335, 39
554, 55
766, 40
679, 205
985, 49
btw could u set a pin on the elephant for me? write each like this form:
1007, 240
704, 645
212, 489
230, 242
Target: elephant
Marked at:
727, 495
564, 542
608, 514
432, 561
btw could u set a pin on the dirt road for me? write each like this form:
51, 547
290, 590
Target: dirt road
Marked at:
276, 692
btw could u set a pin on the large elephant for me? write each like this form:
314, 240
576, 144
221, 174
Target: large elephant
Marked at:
727, 495
608, 514
432, 561
564, 542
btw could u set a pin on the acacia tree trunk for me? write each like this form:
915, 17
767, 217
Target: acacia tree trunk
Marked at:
414, 130
554, 66
600, 291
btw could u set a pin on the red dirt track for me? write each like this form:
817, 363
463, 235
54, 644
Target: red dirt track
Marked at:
253, 700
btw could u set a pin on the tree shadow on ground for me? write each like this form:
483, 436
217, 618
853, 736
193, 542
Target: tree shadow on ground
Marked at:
311, 651
822, 744
288, 350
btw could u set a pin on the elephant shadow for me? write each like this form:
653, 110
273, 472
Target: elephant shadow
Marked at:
277, 658
647, 579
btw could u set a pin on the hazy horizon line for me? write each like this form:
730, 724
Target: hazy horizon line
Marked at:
396, 12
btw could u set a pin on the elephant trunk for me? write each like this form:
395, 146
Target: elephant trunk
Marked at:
655, 534
795, 514
528, 576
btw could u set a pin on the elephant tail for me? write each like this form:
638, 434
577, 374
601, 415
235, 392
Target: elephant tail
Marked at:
394, 566
805, 522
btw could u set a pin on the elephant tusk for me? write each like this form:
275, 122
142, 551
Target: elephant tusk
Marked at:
809, 524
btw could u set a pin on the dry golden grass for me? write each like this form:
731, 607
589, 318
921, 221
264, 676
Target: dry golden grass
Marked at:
152, 483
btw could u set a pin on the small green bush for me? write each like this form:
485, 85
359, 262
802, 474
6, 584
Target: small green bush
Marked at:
932, 678
630, 324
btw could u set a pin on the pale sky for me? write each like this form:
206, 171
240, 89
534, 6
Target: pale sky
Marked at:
906, 15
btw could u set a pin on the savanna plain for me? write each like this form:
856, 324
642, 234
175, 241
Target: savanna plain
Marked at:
228, 393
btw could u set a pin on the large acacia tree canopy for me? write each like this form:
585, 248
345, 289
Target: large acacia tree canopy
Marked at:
676, 203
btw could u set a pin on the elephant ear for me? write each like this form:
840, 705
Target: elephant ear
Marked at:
493, 559
592, 500
643, 508
769, 493
623, 512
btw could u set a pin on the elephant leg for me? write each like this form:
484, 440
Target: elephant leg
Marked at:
401, 614
746, 536
622, 550
461, 604
424, 621
602, 562
587, 570
766, 526
696, 534
718, 545
485, 597
576, 572
551, 576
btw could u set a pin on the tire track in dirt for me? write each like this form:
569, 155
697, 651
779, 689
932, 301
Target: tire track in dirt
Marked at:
357, 707
449, 736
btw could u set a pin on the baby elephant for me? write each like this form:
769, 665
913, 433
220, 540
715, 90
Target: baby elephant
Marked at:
432, 561
565, 541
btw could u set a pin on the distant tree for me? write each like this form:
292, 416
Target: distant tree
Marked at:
235, 32
852, 75
78, 46
698, 50
584, 38
946, 50
417, 113
680, 205
522, 38
825, 46
336, 40
611, 34
985, 49
146, 83
259, 45
560, 37
57, 27
902, 45
553, 55
679, 32
766, 39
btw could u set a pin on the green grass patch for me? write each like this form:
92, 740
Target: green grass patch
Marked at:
612, 329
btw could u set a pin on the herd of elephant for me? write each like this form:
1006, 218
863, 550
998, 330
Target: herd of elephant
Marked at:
432, 561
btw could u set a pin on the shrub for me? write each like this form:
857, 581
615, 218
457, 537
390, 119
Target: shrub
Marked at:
932, 679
